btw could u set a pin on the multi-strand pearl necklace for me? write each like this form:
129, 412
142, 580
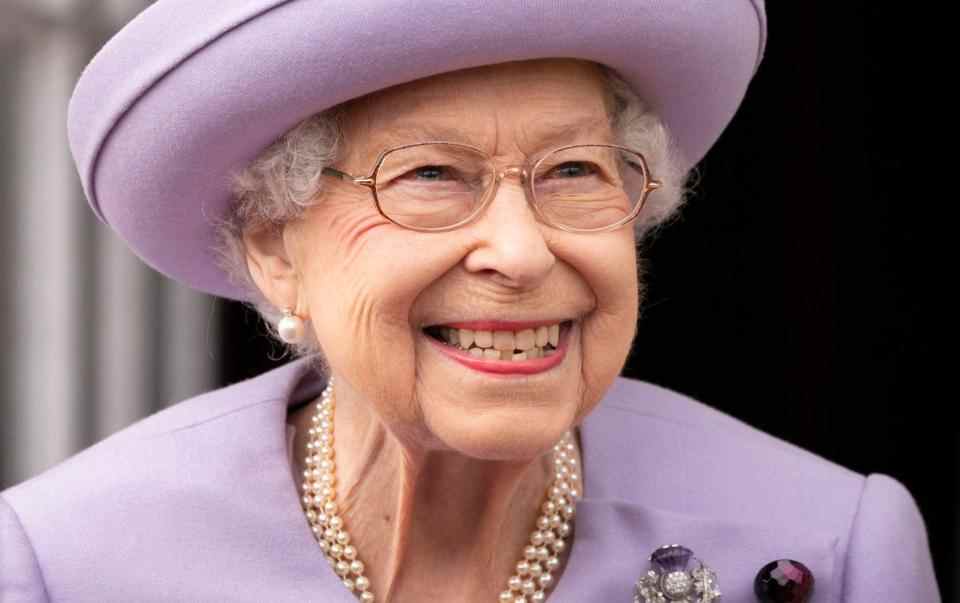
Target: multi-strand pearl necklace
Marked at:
541, 557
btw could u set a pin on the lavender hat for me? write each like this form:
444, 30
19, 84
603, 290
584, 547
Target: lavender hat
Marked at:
192, 90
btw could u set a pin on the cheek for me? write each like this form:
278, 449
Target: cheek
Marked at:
607, 333
360, 285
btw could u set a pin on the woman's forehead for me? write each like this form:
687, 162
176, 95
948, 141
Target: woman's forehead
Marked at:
530, 103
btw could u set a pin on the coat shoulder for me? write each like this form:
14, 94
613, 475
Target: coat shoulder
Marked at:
685, 455
203, 433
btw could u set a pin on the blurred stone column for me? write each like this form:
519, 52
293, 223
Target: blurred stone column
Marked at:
95, 339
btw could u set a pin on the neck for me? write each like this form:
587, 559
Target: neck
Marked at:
429, 524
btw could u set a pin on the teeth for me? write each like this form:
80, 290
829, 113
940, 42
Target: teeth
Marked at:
525, 339
503, 340
483, 339
526, 344
543, 334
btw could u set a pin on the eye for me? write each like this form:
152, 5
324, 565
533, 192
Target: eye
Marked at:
432, 173
572, 169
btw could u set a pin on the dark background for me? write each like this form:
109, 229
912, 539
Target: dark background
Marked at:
795, 291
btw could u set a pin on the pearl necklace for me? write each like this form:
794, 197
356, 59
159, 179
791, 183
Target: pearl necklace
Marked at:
541, 556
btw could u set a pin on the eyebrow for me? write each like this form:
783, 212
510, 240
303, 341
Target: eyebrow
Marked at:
541, 132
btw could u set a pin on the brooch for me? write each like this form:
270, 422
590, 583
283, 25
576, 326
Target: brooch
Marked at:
671, 580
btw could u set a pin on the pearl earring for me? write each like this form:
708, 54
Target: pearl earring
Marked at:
290, 327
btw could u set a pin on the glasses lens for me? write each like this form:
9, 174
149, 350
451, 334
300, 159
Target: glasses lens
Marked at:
589, 187
431, 185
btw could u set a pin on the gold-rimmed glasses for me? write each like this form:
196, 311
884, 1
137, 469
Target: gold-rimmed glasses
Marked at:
437, 185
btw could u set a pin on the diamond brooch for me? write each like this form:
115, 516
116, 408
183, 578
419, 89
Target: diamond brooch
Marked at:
670, 579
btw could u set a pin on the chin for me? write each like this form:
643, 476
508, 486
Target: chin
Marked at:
515, 432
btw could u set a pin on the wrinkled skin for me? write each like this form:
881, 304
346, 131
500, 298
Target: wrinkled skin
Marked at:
442, 468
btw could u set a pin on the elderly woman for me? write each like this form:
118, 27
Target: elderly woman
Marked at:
438, 208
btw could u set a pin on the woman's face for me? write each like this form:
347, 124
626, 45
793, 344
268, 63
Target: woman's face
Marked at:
370, 287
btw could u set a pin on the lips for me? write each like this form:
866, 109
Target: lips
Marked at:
535, 347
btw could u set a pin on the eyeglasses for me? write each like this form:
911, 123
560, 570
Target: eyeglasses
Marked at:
436, 186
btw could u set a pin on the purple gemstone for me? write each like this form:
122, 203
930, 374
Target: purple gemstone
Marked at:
671, 558
783, 581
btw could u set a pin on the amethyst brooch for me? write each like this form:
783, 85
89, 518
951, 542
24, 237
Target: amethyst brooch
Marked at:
670, 579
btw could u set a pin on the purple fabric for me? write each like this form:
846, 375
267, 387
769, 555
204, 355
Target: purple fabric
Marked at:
198, 503
192, 90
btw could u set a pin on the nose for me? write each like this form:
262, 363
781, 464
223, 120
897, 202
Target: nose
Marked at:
510, 240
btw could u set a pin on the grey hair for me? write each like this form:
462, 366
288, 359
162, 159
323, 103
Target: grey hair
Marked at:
280, 184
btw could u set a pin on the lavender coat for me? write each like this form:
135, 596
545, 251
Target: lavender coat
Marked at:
198, 503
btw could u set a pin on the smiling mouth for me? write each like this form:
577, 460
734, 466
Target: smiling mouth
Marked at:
524, 344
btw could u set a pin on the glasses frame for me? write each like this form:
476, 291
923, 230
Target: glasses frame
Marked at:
523, 171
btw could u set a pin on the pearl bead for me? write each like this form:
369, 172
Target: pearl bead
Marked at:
538, 597
549, 507
348, 583
553, 563
335, 522
362, 583
523, 568
530, 553
564, 529
536, 538
536, 570
545, 581
542, 553
366, 597
337, 551
290, 329
330, 534
514, 582
343, 537
342, 568
506, 597
558, 546
543, 522
356, 567
528, 587
349, 552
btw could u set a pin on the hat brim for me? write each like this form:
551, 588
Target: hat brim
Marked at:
192, 90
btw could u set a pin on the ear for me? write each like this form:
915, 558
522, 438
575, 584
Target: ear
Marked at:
270, 256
